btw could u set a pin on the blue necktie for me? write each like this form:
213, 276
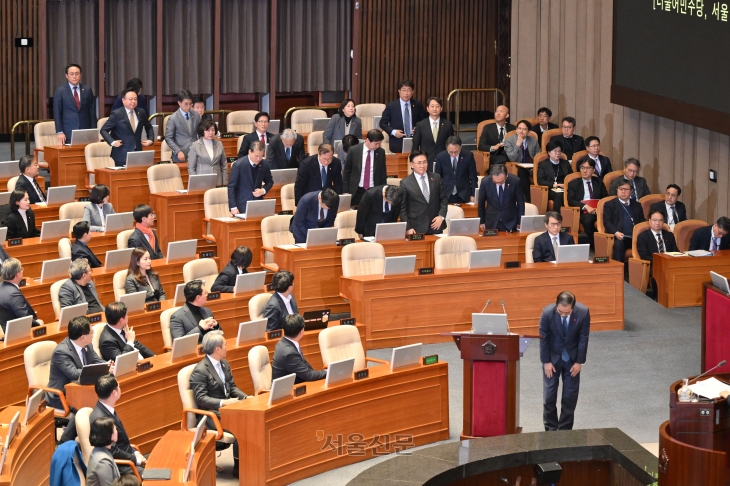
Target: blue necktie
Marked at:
407, 120
500, 193
565, 355
187, 117
288, 153
324, 178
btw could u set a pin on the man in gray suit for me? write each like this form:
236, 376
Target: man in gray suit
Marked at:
80, 288
193, 318
424, 202
182, 127
639, 187
288, 356
364, 166
13, 304
522, 148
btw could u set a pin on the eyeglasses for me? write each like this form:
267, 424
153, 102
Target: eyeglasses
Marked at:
424, 162
594, 145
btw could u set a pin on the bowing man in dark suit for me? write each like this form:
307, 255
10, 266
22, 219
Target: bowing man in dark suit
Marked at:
501, 200
117, 337
80, 247
546, 245
673, 211
656, 240
144, 236
639, 187
212, 383
711, 238
603, 163
21, 220
431, 133
587, 187
318, 172
543, 123
458, 172
316, 209
564, 328
250, 179
260, 134
13, 304
364, 166
424, 203
379, 204
193, 318
285, 151
288, 357
282, 302
493, 135
26, 181
123, 129
551, 173
226, 280
620, 215
74, 105
570, 142
401, 115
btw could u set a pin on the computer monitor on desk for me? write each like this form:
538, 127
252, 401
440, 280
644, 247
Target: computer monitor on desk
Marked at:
572, 253
282, 387
339, 371
489, 323
184, 346
71, 312
388, 232
399, 265
281, 177
9, 169
464, 227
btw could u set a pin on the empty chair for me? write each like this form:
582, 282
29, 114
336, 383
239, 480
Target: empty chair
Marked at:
453, 212
37, 361
274, 231
164, 178
44, 134
240, 121
260, 367
165, 327
301, 120
345, 224
123, 238
343, 342
366, 112
118, 283
257, 305
314, 139
453, 251
287, 198
530, 245
64, 248
215, 205
363, 259
609, 178
98, 155
205, 269
73, 211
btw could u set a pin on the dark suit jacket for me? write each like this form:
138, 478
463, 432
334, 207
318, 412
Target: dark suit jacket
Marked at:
226, 280
13, 305
249, 138
209, 389
576, 191
613, 215
66, 367
276, 311
416, 211
307, 217
3, 255
309, 178
543, 250
370, 212
182, 323
276, 153
642, 188
80, 250
392, 119
512, 209
131, 285
138, 240
335, 129
545, 174
71, 293
490, 137
121, 449
241, 184
647, 245
423, 137
111, 345
288, 360
117, 127
553, 335
466, 179
702, 237
16, 226
65, 114
605, 165
24, 184
662, 207
570, 145
354, 164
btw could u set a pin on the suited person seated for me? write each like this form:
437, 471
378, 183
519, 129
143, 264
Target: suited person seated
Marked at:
602, 163
282, 302
432, 133
364, 166
379, 204
318, 172
285, 150
494, 134
551, 173
250, 179
13, 304
587, 187
260, 134
212, 383
543, 123
501, 202
226, 280
639, 187
98, 208
123, 128
458, 172
711, 238
143, 235
29, 170
522, 148
21, 220
80, 288
316, 209
141, 277
674, 211
117, 337
546, 245
80, 247
193, 318
288, 356
656, 240
620, 215
570, 142
424, 203
182, 127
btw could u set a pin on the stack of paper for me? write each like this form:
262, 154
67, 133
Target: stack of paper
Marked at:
709, 388
698, 253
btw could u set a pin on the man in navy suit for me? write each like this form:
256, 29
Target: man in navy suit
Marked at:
74, 105
318, 172
123, 129
602, 163
401, 115
458, 172
501, 200
316, 209
546, 245
261, 134
248, 174
620, 215
425, 204
564, 328
711, 238
673, 211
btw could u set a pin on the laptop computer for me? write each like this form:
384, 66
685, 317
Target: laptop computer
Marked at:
61, 195
53, 270
134, 301
4, 198
249, 282
485, 259
179, 298
720, 282
274, 126
9, 438
18, 329
9, 168
55, 230
199, 431
31, 405
319, 124
339, 371
91, 373
407, 145
405, 356
489, 323
119, 222
181, 250
251, 331
84, 137
399, 265
126, 363
281, 387
572, 253
184, 346
259, 209
199, 183
140, 159
319, 237
3, 235
464, 227
388, 232
71, 312
283, 177
316, 319
531, 224
345, 200
116, 260
376, 122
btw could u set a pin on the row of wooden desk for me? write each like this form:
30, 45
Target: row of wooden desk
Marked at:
679, 279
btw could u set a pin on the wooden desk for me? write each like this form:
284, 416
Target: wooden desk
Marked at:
397, 165
231, 234
317, 270
28, 461
410, 309
299, 437
172, 451
679, 279
230, 146
511, 244
179, 217
470, 210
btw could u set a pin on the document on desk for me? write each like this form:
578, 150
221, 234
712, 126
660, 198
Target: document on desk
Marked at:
226, 219
709, 388
288, 247
699, 253
675, 253
526, 166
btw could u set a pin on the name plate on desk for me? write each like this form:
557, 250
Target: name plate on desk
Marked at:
350, 321
274, 334
152, 306
285, 213
21, 283
511, 264
84, 199
600, 259
39, 331
300, 390
345, 241
207, 254
392, 176
214, 296
425, 271
429, 360
232, 159
491, 232
93, 318
416, 237
565, 229
362, 374
228, 135
144, 365
15, 241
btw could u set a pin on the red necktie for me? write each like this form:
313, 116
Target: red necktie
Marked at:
76, 98
263, 139
590, 189
366, 177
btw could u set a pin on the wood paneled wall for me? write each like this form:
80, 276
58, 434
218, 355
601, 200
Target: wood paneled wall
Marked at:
561, 58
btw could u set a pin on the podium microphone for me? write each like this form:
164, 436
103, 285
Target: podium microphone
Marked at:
503, 309
721, 363
486, 305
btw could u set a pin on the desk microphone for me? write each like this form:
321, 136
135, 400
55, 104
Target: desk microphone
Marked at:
721, 363
503, 309
486, 305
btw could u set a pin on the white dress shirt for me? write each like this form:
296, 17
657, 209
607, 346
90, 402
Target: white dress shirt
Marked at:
80, 352
24, 216
287, 301
296, 344
100, 208
221, 375
209, 147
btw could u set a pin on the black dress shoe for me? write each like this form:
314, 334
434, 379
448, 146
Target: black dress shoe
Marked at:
235, 468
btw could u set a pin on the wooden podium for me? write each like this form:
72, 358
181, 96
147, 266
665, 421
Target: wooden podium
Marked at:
491, 394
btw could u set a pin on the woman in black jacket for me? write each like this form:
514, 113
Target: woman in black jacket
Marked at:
226, 280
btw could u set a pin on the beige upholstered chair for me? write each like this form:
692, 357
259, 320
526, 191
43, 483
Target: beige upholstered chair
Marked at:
215, 205
122, 239
97, 328
274, 231
313, 141
609, 178
55, 302
393, 181
343, 342
98, 155
684, 230
547, 135
205, 269
531, 210
73, 211
638, 268
453, 251
11, 183
647, 201
44, 134
64, 248
100, 123
603, 241
190, 408
240, 122
260, 367
37, 361
165, 327
301, 120
287, 198
165, 152
453, 212
363, 259
239, 142
118, 283
345, 224
164, 126
366, 112
530, 245
164, 178
257, 305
